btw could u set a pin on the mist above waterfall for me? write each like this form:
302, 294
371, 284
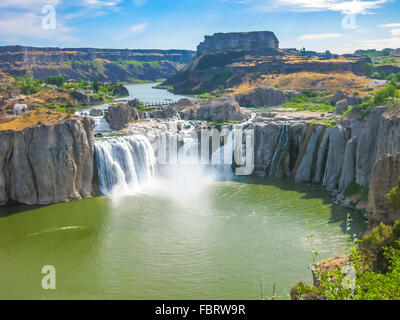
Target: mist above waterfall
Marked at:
127, 166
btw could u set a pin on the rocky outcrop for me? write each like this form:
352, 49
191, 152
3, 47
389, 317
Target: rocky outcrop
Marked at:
119, 116
120, 90
384, 177
255, 42
220, 109
263, 96
47, 163
85, 100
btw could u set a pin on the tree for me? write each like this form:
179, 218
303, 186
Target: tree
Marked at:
368, 69
55, 80
95, 86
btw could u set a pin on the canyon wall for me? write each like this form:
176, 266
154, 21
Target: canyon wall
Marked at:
90, 64
47, 163
333, 157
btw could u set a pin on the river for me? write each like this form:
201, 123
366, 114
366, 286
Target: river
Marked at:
152, 245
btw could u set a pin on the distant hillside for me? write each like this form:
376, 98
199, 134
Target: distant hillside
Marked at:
89, 64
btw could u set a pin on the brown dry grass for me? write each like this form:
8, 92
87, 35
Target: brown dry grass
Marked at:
33, 118
346, 81
333, 264
303, 59
48, 96
5, 79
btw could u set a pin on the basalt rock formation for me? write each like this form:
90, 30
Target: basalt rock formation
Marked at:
119, 116
47, 163
264, 96
253, 42
220, 109
334, 157
93, 64
384, 177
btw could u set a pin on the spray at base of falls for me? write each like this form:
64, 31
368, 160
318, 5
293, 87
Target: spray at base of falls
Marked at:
127, 164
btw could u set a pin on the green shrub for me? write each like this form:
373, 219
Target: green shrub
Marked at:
28, 85
55, 80
142, 108
376, 264
393, 197
355, 189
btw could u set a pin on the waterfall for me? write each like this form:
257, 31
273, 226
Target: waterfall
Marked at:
101, 125
124, 162
280, 151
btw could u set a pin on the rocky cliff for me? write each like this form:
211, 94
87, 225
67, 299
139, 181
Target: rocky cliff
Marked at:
44, 164
384, 177
220, 109
90, 64
253, 42
332, 156
264, 96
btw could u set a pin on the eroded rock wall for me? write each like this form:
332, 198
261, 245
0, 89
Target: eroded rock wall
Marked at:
47, 164
334, 157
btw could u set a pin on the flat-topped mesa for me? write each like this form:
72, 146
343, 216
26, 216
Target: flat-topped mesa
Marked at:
258, 42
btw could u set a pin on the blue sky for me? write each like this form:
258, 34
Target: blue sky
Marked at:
336, 25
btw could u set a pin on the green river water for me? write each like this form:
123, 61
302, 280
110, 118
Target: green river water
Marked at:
148, 246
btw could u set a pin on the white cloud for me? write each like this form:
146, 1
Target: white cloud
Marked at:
28, 26
138, 28
393, 42
378, 44
322, 36
101, 3
395, 32
343, 6
390, 25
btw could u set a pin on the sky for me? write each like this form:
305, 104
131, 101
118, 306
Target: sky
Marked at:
341, 26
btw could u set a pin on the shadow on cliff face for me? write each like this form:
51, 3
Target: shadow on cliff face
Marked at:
14, 208
314, 191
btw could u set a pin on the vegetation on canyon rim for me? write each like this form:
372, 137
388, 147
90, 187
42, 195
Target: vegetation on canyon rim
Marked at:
375, 261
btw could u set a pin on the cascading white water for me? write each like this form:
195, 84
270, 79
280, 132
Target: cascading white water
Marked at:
123, 163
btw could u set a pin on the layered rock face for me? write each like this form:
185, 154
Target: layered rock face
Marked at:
47, 164
264, 96
384, 177
255, 42
90, 64
333, 157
